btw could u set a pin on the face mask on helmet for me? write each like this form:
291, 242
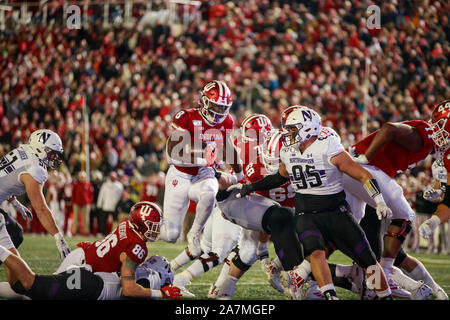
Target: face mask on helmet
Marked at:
162, 266
257, 128
440, 125
215, 102
147, 218
47, 146
301, 125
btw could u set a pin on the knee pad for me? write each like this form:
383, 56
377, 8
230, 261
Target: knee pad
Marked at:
209, 260
240, 264
405, 228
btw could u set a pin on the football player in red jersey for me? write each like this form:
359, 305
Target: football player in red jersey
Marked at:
121, 251
441, 134
193, 149
220, 235
255, 134
392, 149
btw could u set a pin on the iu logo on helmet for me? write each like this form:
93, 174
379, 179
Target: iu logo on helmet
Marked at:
145, 211
44, 137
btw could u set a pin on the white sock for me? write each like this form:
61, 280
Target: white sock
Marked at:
343, 270
228, 286
387, 264
225, 269
303, 269
197, 268
180, 261
403, 280
7, 293
4, 253
420, 273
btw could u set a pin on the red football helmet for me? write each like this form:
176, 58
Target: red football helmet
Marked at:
271, 153
257, 127
215, 102
147, 218
440, 124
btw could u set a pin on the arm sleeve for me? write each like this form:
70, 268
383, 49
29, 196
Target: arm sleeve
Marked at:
269, 182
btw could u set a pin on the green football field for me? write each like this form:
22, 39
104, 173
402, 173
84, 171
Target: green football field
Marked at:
40, 253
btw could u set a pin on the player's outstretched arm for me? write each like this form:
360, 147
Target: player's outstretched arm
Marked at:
345, 163
266, 183
403, 134
36, 196
132, 289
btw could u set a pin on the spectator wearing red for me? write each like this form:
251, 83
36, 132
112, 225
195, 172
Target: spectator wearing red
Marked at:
82, 198
152, 187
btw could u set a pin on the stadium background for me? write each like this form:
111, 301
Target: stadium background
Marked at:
109, 89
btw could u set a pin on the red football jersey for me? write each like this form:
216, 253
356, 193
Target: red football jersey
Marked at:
255, 170
192, 121
104, 255
393, 158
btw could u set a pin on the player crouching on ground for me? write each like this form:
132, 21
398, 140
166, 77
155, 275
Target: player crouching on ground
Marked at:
121, 251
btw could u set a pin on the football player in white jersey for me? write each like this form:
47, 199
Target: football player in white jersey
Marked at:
24, 170
315, 167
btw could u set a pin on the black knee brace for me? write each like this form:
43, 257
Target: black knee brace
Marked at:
405, 228
238, 263
213, 258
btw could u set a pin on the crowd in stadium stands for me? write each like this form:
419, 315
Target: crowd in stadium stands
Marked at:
272, 54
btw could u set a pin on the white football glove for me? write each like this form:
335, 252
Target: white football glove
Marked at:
26, 214
243, 189
427, 228
383, 211
361, 159
431, 194
204, 173
62, 246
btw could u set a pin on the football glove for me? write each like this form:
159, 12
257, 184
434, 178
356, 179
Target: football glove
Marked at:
431, 194
62, 246
383, 211
171, 292
26, 214
427, 228
204, 173
243, 189
361, 159
211, 154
